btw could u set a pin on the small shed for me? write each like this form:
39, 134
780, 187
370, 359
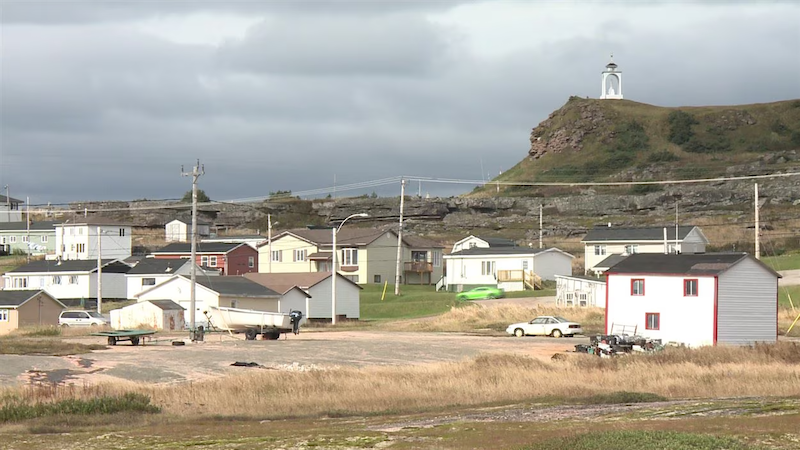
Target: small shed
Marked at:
21, 308
580, 291
157, 314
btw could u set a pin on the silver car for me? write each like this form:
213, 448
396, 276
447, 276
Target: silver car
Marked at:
81, 319
555, 326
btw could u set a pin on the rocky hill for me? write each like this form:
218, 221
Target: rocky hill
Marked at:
615, 140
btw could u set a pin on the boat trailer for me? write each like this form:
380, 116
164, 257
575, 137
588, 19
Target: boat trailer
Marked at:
136, 337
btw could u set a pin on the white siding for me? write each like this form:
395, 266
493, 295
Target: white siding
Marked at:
548, 264
470, 242
146, 314
747, 305
594, 290
347, 300
687, 320
114, 285
287, 245
694, 242
294, 300
134, 283
112, 245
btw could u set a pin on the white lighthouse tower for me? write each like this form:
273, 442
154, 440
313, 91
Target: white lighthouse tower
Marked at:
612, 81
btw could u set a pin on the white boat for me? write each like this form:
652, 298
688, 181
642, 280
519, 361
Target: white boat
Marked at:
249, 321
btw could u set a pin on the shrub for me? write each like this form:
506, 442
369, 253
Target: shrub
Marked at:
663, 156
624, 397
680, 127
639, 189
130, 402
41, 331
630, 137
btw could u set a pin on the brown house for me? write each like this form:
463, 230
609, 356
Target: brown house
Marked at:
28, 308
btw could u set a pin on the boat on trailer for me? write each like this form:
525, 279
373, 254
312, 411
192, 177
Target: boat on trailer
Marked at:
252, 322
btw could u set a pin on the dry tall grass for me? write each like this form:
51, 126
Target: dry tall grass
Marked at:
475, 317
766, 370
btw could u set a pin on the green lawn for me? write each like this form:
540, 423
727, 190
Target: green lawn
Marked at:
8, 263
785, 292
784, 262
416, 301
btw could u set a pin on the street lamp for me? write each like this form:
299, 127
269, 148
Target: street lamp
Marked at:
335, 231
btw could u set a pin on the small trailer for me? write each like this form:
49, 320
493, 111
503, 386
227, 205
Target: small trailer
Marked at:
135, 337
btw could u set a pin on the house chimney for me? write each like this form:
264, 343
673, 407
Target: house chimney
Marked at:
666, 247
609, 224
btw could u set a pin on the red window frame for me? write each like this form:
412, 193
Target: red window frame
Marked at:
696, 287
647, 322
633, 282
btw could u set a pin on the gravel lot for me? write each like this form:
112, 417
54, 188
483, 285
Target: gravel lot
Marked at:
161, 362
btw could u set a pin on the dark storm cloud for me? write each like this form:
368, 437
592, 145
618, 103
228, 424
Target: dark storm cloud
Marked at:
104, 111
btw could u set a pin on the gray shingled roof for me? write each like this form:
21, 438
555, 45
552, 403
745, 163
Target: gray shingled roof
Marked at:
202, 247
15, 298
498, 251
636, 234
149, 266
237, 286
681, 264
22, 226
497, 241
611, 260
72, 265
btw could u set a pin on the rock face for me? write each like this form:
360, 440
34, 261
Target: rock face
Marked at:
566, 128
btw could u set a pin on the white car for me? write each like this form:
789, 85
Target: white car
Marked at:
81, 319
555, 326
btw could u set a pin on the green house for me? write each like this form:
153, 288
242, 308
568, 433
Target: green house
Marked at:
15, 237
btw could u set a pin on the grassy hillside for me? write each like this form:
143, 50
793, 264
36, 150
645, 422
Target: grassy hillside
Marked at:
594, 140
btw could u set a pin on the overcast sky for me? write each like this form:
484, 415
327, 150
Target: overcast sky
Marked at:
106, 100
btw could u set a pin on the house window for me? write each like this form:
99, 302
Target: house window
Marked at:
72, 247
376, 278
524, 264
204, 261
212, 261
20, 282
349, 256
234, 303
487, 267
418, 256
12, 239
637, 287
148, 281
353, 278
73, 279
81, 248
44, 239
472, 245
251, 261
122, 231
3, 315
652, 321
276, 255
80, 231
24, 239
599, 250
2, 240
582, 297
437, 258
56, 279
632, 249
300, 255
690, 288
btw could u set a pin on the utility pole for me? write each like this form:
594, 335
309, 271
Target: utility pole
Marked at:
99, 270
541, 230
758, 226
28, 226
196, 172
400, 239
8, 205
676, 228
269, 242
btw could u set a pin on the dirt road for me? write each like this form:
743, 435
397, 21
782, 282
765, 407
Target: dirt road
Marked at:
164, 363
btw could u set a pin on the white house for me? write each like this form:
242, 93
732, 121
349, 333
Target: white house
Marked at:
574, 290
149, 272
79, 241
227, 291
180, 230
319, 287
156, 314
10, 209
601, 242
70, 280
509, 268
694, 299
482, 242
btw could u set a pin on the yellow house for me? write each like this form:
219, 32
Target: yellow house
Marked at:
28, 308
364, 255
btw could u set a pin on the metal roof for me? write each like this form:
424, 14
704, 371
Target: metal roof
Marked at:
15, 299
23, 226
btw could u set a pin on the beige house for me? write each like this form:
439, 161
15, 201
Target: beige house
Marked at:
602, 242
364, 255
29, 308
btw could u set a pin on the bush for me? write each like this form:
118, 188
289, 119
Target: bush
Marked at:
624, 397
130, 402
639, 189
680, 127
630, 137
663, 156
715, 142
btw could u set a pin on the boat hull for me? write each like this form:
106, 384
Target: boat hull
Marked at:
236, 319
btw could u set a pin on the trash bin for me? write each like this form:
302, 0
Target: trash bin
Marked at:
198, 334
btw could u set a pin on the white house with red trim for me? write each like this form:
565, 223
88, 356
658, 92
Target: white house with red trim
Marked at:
694, 299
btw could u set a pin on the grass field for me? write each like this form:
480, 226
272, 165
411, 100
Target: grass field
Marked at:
788, 261
417, 301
